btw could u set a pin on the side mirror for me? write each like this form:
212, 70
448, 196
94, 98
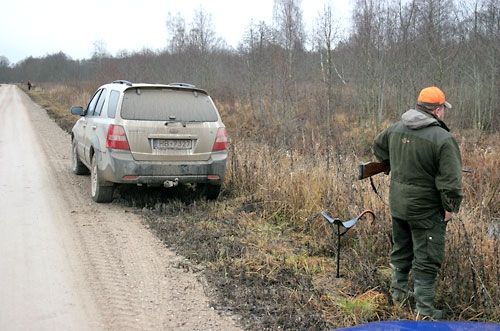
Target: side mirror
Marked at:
77, 111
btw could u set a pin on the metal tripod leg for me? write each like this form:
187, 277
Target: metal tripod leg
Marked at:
338, 250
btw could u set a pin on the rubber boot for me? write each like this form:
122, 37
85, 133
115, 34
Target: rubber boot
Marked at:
424, 298
399, 288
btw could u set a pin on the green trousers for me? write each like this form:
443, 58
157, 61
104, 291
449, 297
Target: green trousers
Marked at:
418, 245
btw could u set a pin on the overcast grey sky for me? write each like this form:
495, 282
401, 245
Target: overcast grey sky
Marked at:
40, 27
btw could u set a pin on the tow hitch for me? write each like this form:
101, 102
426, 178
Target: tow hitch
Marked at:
171, 183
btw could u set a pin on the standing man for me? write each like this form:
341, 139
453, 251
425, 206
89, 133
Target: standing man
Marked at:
426, 190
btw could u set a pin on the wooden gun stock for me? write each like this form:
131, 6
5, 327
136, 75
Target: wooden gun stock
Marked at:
372, 168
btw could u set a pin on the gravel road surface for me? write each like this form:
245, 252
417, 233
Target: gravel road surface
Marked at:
67, 263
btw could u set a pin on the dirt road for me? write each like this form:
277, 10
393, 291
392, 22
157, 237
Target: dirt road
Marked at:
67, 263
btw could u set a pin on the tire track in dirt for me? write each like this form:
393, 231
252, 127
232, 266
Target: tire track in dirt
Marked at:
132, 276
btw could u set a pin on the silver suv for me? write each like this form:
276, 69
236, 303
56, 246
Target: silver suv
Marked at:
149, 134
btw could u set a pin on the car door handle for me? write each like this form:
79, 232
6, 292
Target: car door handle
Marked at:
94, 127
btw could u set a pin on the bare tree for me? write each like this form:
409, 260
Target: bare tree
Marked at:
4, 61
290, 29
326, 34
202, 37
5, 70
100, 49
256, 51
369, 41
403, 53
481, 65
287, 16
436, 27
176, 29
289, 35
202, 44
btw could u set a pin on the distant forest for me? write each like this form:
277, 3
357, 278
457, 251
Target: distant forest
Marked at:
392, 50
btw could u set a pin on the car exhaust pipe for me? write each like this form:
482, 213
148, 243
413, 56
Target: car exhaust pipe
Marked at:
171, 183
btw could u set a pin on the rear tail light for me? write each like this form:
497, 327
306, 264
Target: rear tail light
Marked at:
221, 141
117, 139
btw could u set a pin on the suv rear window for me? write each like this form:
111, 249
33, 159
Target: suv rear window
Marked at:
167, 105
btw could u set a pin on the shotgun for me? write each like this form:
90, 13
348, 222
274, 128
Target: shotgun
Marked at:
369, 169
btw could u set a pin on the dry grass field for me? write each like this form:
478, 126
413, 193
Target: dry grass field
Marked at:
269, 255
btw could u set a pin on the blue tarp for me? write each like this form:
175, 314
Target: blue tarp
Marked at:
425, 325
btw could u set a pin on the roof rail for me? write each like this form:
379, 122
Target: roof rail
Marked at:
182, 85
121, 81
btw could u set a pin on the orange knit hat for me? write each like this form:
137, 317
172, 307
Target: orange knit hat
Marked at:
431, 97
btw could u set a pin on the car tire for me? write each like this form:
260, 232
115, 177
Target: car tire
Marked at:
100, 190
77, 166
211, 191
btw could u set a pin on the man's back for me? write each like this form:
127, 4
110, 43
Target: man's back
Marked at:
421, 153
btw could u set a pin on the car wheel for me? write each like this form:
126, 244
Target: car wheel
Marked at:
100, 190
77, 166
211, 191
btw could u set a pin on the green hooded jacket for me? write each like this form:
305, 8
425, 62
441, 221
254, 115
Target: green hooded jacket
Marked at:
426, 167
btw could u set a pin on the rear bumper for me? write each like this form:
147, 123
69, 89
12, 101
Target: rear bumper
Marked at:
120, 167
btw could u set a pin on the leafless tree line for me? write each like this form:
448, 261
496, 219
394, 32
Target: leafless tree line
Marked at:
393, 49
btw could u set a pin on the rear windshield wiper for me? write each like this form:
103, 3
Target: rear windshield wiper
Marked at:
183, 122
172, 119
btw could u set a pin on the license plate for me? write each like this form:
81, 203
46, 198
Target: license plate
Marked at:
163, 144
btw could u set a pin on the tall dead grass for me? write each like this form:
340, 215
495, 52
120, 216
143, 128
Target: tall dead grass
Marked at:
294, 181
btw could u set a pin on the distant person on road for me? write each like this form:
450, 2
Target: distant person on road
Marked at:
425, 192
29, 85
